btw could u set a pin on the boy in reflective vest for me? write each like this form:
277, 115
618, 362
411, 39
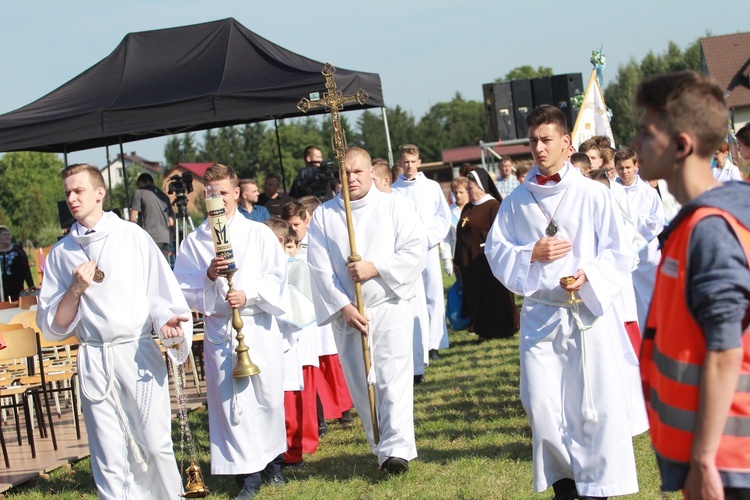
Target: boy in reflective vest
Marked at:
695, 360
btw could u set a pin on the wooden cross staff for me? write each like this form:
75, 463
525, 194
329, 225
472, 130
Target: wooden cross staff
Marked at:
333, 101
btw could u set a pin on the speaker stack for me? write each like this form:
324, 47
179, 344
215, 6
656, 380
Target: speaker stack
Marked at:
507, 104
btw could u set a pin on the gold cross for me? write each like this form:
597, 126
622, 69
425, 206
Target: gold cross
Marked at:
333, 101
464, 221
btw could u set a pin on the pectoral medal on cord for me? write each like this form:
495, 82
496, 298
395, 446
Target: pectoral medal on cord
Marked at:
552, 228
98, 273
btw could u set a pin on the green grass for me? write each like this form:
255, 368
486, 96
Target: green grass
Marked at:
473, 440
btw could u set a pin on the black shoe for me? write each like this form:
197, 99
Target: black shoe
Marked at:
395, 465
434, 356
277, 480
418, 379
347, 420
293, 466
247, 493
322, 429
565, 489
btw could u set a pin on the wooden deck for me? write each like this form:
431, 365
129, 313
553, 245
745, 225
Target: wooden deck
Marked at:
23, 468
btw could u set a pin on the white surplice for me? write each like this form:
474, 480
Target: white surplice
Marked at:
573, 373
396, 245
648, 215
121, 371
430, 201
246, 415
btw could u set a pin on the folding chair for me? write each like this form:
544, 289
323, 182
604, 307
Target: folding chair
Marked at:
22, 345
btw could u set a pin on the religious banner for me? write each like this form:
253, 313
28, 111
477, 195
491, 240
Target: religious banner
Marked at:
593, 117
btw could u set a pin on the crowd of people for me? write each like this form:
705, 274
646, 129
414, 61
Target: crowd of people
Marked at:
632, 265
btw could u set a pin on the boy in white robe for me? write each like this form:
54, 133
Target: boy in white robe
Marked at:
648, 216
573, 374
392, 250
246, 415
108, 284
430, 200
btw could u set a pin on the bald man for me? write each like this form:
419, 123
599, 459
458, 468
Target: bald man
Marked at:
393, 250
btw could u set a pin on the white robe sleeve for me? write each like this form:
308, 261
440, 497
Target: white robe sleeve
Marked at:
401, 269
437, 227
510, 260
55, 284
165, 299
328, 292
650, 220
607, 273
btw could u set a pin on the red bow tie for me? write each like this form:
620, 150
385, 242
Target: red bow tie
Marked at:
543, 179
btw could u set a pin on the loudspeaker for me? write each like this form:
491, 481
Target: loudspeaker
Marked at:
564, 87
541, 88
66, 218
523, 103
498, 112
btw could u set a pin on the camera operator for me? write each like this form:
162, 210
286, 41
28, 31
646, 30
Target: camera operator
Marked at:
155, 210
316, 179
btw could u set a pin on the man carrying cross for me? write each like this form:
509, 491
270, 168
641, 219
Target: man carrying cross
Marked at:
393, 250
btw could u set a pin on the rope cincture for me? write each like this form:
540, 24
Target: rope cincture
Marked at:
110, 377
587, 408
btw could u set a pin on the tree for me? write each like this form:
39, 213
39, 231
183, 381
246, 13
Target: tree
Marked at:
620, 93
450, 124
29, 193
526, 72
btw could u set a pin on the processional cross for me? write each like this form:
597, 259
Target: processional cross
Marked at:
333, 101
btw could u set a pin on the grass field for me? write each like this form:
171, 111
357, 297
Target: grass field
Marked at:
473, 440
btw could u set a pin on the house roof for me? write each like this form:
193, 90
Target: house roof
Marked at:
197, 169
472, 154
727, 59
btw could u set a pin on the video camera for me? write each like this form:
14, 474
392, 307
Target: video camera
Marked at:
180, 186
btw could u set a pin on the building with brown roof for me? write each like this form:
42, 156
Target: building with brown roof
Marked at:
727, 59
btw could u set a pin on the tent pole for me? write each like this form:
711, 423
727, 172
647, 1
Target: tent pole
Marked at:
124, 172
109, 178
281, 162
388, 137
65, 155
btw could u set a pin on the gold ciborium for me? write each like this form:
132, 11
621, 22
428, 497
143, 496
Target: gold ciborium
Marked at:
567, 281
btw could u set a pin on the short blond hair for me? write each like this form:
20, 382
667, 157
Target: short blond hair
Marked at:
408, 149
381, 169
219, 172
97, 179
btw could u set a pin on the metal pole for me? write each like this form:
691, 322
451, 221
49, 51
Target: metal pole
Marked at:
109, 178
388, 137
124, 172
281, 162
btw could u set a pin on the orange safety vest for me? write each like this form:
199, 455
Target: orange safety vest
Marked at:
674, 349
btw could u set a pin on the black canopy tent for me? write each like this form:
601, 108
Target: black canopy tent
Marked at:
175, 80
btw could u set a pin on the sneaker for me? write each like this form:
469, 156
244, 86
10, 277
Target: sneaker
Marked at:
247, 493
322, 429
277, 480
347, 420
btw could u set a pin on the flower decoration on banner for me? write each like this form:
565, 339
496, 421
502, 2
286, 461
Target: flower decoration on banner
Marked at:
599, 62
577, 100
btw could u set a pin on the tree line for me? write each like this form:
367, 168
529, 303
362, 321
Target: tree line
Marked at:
31, 187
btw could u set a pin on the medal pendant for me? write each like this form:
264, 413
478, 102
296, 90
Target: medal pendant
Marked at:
551, 229
99, 275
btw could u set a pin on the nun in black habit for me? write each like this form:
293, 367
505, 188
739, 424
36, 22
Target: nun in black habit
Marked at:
489, 305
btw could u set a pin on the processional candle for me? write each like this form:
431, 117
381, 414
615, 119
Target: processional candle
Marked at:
217, 215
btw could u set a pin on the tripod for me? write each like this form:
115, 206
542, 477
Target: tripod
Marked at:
181, 219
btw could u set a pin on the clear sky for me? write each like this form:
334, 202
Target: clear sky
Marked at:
424, 51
